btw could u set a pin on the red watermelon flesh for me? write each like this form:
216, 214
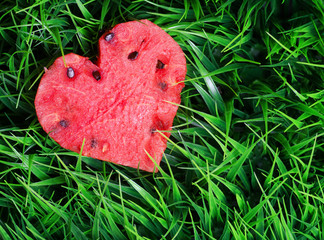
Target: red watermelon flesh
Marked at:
120, 108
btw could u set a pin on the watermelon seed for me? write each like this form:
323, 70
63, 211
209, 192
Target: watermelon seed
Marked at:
70, 72
96, 75
153, 130
133, 55
109, 37
64, 123
93, 143
163, 86
159, 65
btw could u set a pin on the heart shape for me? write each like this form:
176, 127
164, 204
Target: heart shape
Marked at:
119, 108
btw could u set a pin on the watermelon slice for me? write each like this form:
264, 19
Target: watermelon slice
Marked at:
120, 108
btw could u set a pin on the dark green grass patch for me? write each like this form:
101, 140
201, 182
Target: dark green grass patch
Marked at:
245, 159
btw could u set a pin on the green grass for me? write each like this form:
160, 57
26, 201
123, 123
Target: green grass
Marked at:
245, 159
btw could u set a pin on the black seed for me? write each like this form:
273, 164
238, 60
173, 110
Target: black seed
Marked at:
132, 56
109, 37
153, 130
70, 72
159, 65
64, 123
163, 86
94, 143
96, 75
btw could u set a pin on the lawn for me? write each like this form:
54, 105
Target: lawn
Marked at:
246, 156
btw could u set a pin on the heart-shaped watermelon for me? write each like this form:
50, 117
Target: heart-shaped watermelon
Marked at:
119, 109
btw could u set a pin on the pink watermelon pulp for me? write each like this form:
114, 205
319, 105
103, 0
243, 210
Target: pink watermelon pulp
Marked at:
120, 108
